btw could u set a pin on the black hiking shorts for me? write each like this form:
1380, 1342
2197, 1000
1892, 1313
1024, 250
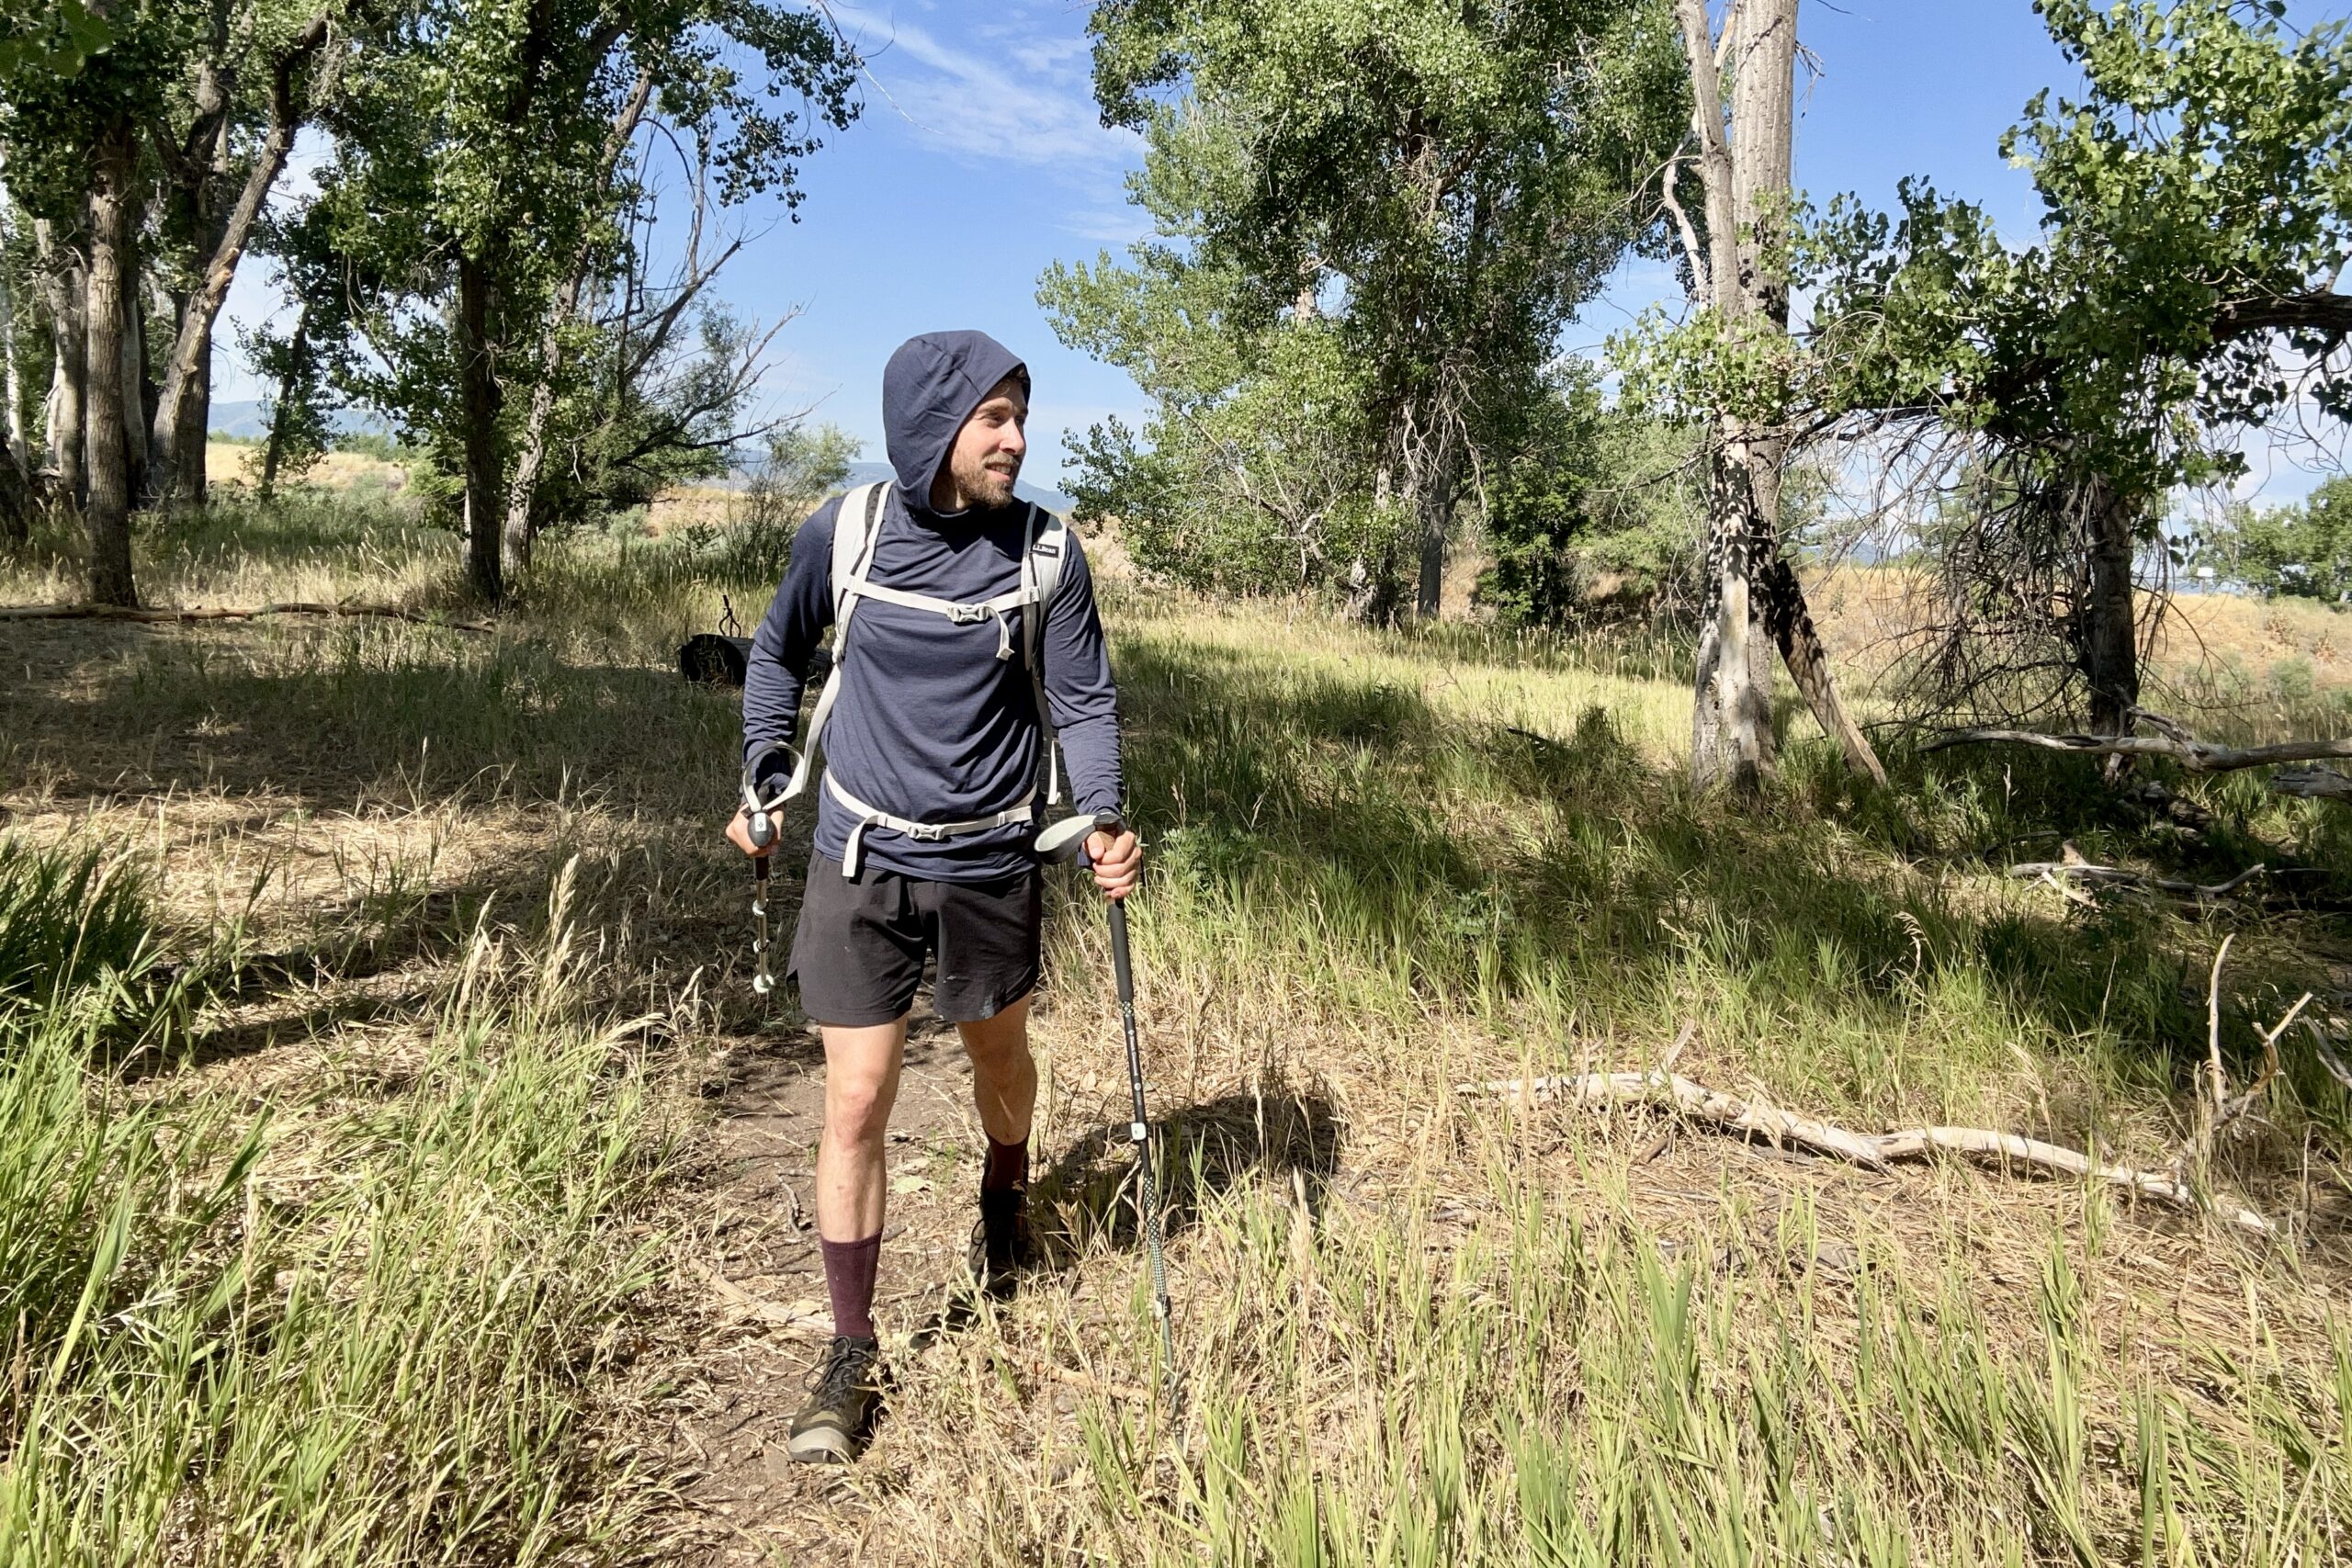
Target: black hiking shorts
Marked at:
858, 952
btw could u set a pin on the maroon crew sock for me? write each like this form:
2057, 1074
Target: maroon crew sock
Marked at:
849, 1279
1008, 1167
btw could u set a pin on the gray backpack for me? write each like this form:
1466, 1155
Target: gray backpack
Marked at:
1043, 550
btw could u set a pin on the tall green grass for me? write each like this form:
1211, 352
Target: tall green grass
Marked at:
244, 1336
1557, 1386
67, 917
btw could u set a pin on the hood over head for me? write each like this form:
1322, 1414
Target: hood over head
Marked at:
929, 388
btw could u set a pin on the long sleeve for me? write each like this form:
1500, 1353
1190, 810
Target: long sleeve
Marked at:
787, 639
1078, 689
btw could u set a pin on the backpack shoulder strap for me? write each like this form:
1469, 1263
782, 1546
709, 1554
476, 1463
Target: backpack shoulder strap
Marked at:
1041, 577
857, 526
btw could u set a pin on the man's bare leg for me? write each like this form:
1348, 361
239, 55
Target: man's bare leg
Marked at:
1004, 1074
860, 1085
1004, 1091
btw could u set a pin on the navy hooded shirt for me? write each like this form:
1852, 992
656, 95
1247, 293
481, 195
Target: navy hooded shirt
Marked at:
931, 725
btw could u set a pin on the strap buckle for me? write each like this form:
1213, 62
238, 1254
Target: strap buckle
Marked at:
925, 833
969, 614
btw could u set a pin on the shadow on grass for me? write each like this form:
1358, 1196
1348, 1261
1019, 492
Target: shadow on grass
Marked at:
1200, 1150
1482, 866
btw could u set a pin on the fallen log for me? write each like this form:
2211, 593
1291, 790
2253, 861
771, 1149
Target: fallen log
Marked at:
116, 613
2083, 871
2194, 755
2313, 784
1762, 1118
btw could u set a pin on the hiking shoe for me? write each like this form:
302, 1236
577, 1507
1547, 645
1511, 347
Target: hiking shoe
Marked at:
844, 1396
1003, 1247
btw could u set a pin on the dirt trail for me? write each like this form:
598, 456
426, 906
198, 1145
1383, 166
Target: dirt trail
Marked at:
765, 1283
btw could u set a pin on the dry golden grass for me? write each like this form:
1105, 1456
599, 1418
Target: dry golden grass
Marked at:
1414, 1325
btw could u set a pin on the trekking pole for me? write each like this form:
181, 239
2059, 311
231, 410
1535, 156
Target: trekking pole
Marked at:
763, 826
1064, 839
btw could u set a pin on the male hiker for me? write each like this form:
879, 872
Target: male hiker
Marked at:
936, 774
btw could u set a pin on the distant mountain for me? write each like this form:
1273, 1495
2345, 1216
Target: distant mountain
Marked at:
250, 417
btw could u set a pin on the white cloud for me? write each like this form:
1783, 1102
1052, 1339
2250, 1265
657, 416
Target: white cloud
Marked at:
999, 96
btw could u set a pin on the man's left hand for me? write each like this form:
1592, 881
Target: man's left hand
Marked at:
1117, 862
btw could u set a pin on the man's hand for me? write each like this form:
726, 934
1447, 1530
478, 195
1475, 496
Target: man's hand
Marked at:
1116, 862
738, 833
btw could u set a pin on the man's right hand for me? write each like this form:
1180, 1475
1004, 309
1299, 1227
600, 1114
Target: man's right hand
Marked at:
739, 833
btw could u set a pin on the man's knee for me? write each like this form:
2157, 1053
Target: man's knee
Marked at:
1000, 1040
857, 1106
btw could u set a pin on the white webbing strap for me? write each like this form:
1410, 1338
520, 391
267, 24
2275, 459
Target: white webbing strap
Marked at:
854, 853
961, 615
857, 526
1042, 551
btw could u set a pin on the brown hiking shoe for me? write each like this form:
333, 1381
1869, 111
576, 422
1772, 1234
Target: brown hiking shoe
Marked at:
1003, 1247
844, 1397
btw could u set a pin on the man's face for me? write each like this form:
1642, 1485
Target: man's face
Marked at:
986, 456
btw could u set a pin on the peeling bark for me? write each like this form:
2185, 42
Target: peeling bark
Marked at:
107, 516
480, 397
66, 275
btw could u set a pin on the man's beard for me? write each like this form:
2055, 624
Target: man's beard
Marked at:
988, 485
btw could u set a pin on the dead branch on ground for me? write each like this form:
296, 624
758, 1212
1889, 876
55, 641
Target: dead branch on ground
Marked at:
113, 612
2313, 784
1760, 1118
2194, 755
2109, 875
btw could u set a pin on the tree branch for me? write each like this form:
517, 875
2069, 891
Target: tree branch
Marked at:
2196, 756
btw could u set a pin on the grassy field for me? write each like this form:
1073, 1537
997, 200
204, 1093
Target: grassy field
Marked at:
395, 1166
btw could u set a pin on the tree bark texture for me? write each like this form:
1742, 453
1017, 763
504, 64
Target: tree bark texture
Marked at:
132, 346
67, 277
1731, 720
187, 376
1435, 493
479, 401
522, 497
106, 517
2109, 645
1754, 601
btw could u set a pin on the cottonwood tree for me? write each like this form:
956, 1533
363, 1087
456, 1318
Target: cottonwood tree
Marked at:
482, 162
1434, 187
2197, 213
267, 67
125, 163
1729, 363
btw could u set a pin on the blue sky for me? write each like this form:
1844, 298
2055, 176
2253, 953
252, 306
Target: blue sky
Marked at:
979, 160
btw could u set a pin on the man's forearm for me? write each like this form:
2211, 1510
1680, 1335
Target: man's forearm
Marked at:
1091, 748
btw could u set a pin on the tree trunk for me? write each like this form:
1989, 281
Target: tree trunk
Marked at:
132, 346
2110, 641
479, 408
1434, 495
12, 385
68, 280
191, 458
1731, 721
1754, 599
190, 366
298, 356
107, 516
522, 525
15, 473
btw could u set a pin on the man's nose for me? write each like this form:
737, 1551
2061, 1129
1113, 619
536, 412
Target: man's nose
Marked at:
1013, 442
